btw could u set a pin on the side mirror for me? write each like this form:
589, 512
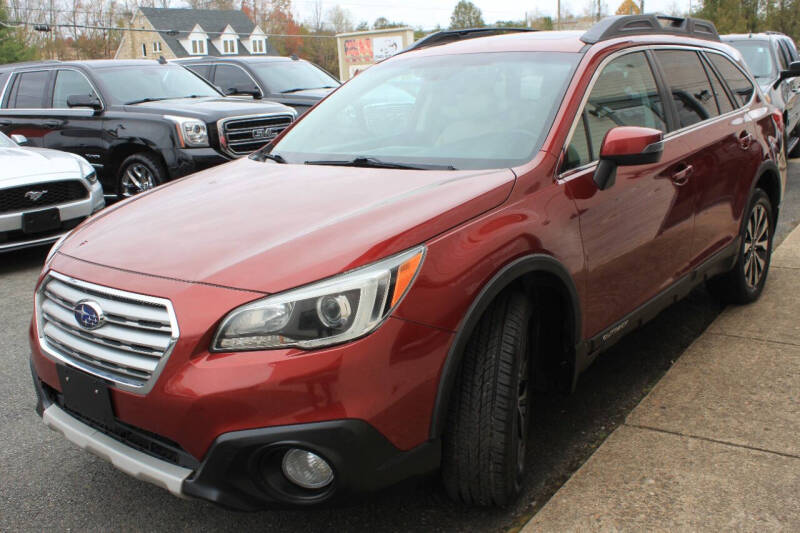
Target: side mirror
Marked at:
84, 100
251, 90
19, 139
792, 72
626, 146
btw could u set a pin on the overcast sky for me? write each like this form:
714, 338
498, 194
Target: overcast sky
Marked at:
429, 13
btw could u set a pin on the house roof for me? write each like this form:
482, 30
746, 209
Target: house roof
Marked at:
213, 21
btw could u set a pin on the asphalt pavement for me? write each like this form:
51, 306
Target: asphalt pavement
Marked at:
48, 483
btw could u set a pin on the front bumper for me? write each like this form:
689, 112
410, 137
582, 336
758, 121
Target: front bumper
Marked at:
242, 469
71, 214
190, 160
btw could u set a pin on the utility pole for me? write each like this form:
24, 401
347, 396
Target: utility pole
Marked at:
558, 15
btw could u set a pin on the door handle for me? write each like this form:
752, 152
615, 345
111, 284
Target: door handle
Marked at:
681, 177
745, 140
52, 123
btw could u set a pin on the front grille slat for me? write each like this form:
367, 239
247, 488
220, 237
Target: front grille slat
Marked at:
129, 310
124, 336
129, 348
57, 192
245, 135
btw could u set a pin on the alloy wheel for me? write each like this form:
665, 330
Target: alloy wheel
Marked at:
756, 246
137, 178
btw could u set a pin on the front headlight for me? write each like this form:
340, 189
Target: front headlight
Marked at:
328, 312
87, 170
191, 131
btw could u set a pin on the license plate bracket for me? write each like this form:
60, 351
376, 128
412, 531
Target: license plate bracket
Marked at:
86, 395
41, 221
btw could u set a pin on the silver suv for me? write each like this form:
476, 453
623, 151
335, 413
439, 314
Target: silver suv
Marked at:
43, 193
769, 56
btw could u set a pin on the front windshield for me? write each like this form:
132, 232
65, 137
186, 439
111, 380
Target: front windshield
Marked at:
133, 84
758, 57
468, 111
5, 142
290, 76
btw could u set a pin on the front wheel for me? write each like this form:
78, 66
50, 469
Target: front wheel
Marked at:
484, 443
745, 281
139, 173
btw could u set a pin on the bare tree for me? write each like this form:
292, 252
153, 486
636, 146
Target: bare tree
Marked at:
340, 19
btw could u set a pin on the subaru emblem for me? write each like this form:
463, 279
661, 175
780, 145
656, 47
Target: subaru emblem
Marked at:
89, 314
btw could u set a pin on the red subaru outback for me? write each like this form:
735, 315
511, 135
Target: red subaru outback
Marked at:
372, 296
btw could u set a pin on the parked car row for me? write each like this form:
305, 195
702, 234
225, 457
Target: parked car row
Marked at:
375, 294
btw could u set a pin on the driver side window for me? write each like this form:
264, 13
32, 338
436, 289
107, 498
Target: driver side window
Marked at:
625, 94
70, 83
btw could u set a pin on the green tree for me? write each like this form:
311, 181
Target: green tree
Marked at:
12, 47
382, 23
466, 15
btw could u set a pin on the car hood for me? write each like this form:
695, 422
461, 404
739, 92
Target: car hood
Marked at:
23, 162
268, 227
209, 109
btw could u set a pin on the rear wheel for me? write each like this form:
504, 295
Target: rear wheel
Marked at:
485, 439
138, 173
744, 283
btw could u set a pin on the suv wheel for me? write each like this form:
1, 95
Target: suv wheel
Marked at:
138, 173
744, 283
484, 442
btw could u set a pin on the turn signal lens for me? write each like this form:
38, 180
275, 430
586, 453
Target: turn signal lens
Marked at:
405, 275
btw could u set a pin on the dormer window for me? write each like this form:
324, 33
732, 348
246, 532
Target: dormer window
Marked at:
228, 46
257, 46
199, 46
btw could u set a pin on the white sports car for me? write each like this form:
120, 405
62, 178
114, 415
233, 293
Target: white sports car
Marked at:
43, 193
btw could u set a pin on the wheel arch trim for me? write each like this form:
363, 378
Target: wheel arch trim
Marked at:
511, 272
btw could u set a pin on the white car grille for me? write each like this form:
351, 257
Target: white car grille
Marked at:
130, 346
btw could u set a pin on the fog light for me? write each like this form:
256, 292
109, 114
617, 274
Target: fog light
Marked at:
306, 469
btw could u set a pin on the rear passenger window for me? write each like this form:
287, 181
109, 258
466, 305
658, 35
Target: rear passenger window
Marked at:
28, 90
723, 101
625, 94
738, 83
691, 91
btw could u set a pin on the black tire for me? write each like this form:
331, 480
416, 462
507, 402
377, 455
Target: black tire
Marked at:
744, 282
484, 441
138, 173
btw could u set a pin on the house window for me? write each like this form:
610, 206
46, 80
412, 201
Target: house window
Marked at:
257, 46
144, 50
156, 47
228, 46
199, 47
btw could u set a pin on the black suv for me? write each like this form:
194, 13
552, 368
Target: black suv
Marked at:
769, 56
138, 122
287, 80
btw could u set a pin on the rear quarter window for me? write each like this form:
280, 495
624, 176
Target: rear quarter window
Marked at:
739, 84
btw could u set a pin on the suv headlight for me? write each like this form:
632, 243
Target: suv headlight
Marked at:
332, 311
87, 170
191, 131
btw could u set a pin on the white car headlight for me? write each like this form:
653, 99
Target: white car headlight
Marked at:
328, 312
87, 170
191, 131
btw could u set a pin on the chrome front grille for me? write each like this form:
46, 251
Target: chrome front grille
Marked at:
243, 135
130, 347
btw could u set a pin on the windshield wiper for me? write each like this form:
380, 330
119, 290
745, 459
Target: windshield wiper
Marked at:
298, 89
372, 162
262, 156
143, 100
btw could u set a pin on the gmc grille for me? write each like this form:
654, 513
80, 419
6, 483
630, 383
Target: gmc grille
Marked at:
50, 193
243, 135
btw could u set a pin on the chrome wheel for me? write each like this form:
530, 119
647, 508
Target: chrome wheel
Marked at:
137, 178
523, 412
756, 246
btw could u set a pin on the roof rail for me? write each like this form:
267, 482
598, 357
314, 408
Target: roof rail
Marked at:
26, 63
650, 24
449, 36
